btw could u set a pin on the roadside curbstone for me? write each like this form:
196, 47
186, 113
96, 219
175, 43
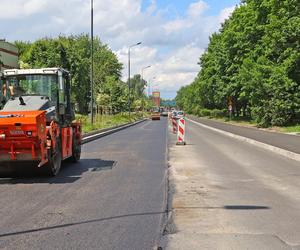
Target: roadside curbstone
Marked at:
104, 132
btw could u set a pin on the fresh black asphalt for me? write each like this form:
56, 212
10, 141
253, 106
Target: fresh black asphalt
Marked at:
114, 198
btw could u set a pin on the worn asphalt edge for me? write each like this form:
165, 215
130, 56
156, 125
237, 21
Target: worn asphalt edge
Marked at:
96, 135
274, 149
159, 245
168, 226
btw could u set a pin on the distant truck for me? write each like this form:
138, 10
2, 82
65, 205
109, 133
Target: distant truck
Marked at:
9, 59
155, 114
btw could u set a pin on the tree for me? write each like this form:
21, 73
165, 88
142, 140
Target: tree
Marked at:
255, 60
137, 86
73, 53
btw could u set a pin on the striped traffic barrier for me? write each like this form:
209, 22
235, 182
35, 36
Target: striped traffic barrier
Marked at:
181, 132
175, 126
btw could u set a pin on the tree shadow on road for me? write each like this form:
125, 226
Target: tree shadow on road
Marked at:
245, 207
79, 223
69, 173
228, 207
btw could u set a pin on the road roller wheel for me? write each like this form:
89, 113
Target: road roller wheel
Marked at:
76, 150
55, 158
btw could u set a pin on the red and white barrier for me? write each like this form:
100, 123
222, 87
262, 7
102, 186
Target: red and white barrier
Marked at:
175, 126
181, 132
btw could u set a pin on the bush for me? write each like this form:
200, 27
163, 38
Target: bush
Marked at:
205, 112
81, 118
213, 113
218, 113
197, 111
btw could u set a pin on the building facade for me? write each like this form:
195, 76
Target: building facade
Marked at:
9, 56
156, 98
9, 59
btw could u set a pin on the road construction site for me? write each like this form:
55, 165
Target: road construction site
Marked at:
137, 189
226, 193
113, 198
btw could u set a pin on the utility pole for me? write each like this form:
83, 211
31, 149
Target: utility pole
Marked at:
92, 62
142, 79
129, 90
129, 105
142, 75
149, 83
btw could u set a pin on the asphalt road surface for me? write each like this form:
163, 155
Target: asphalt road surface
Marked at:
280, 140
233, 195
114, 198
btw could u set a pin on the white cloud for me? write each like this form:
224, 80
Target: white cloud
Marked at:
12, 10
58, 20
226, 13
197, 8
171, 45
18, 9
177, 25
171, 71
34, 6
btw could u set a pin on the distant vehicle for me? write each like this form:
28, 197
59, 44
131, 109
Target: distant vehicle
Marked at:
174, 114
180, 114
164, 113
155, 114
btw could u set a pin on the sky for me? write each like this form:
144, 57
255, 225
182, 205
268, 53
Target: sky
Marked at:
174, 33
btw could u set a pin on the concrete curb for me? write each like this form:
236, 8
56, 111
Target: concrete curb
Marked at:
104, 132
277, 150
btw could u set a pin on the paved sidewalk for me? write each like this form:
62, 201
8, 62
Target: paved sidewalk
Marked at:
280, 140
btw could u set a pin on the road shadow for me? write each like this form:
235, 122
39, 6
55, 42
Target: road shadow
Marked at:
228, 207
78, 223
69, 173
245, 207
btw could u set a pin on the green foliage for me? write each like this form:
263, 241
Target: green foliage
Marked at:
107, 121
73, 53
137, 86
211, 113
112, 94
138, 98
255, 60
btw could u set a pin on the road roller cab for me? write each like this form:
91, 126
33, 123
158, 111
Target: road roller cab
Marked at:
37, 121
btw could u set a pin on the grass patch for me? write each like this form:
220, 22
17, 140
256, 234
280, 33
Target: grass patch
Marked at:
237, 120
290, 129
107, 121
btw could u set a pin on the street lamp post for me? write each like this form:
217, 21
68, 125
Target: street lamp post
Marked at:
92, 62
129, 104
149, 90
143, 71
142, 75
142, 84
